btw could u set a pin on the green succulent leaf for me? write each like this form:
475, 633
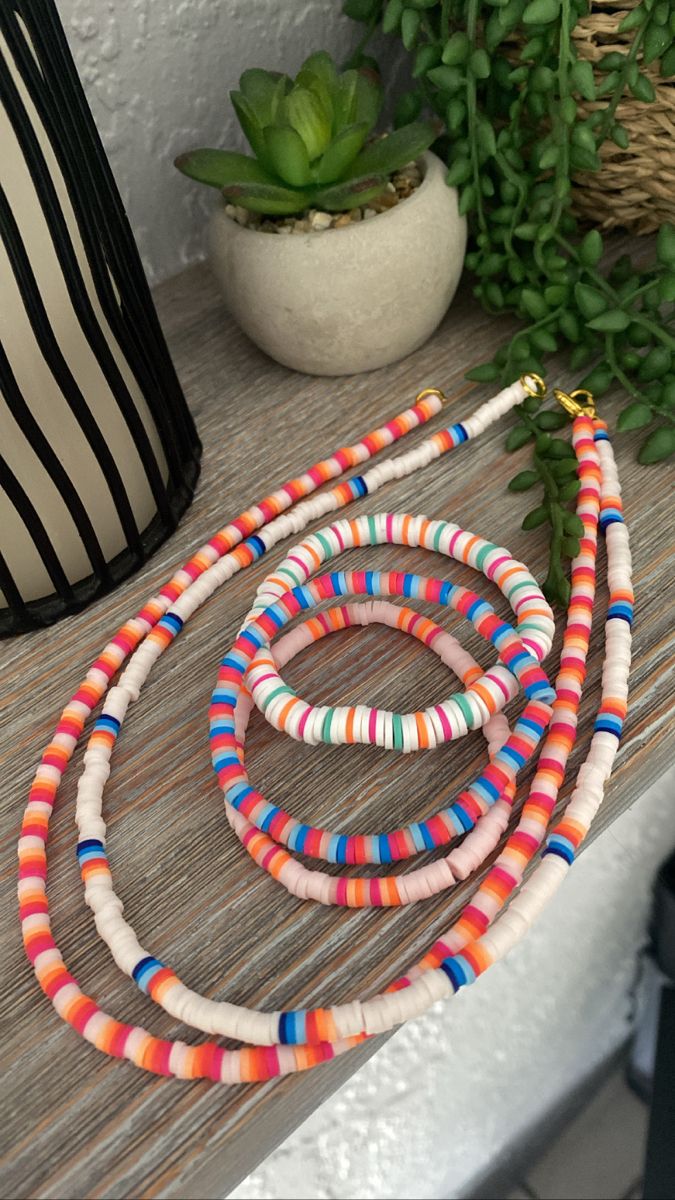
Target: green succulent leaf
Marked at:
523, 481
571, 546
447, 79
633, 20
479, 64
613, 61
590, 249
634, 416
615, 320
569, 490
218, 168
494, 32
534, 304
484, 373
667, 288
541, 12
518, 437
643, 89
659, 446
359, 10
558, 447
536, 517
459, 172
551, 419
619, 135
264, 91
655, 364
599, 380
315, 84
457, 49
573, 525
350, 193
426, 57
564, 466
410, 24
288, 155
665, 244
304, 111
271, 198
407, 108
344, 100
368, 98
668, 63
583, 79
390, 153
251, 127
591, 302
339, 156
391, 18
322, 65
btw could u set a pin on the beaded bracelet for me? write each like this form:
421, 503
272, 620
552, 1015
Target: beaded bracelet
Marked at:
453, 717
535, 624
348, 616
406, 620
477, 844
212, 1061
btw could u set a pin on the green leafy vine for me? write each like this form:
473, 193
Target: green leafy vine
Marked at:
523, 113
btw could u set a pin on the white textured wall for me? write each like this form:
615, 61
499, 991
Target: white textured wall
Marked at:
430, 1112
157, 75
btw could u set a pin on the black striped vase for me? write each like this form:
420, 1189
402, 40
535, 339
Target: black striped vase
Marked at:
98, 452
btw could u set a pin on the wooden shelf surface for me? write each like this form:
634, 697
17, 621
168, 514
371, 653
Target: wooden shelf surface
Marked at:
82, 1125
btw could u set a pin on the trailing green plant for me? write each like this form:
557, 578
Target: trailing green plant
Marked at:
553, 469
310, 140
505, 78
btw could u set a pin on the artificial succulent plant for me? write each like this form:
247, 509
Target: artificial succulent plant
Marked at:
310, 137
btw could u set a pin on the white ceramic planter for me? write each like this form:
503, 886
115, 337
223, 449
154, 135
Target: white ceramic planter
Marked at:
346, 300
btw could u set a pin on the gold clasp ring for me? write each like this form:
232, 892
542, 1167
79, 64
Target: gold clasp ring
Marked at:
430, 392
534, 385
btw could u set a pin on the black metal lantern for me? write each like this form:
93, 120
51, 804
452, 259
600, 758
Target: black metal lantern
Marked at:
99, 455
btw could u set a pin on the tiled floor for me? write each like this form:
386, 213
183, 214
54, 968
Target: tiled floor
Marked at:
598, 1156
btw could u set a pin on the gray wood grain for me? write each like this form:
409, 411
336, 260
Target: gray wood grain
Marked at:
75, 1123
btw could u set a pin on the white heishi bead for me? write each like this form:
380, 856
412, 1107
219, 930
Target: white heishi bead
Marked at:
33, 922
46, 773
29, 885
348, 1018
64, 997
178, 1059
47, 958
30, 842
95, 1026
134, 1041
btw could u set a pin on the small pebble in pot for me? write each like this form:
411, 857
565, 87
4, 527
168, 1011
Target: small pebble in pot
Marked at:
401, 185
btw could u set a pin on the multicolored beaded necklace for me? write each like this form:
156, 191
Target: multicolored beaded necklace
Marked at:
281, 1042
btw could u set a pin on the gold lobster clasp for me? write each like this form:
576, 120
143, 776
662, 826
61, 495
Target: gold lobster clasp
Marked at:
578, 403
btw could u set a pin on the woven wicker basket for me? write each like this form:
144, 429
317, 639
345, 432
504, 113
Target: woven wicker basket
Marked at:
635, 188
